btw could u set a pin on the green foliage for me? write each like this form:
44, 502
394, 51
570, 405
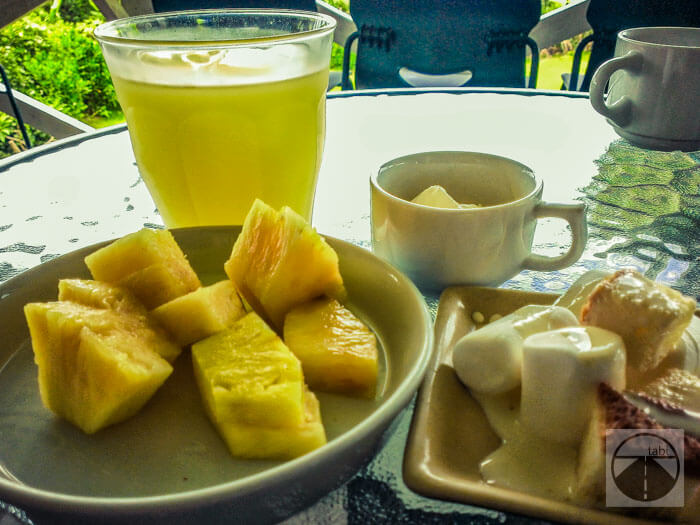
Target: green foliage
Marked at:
337, 51
51, 56
337, 56
79, 11
343, 5
550, 5
11, 140
59, 64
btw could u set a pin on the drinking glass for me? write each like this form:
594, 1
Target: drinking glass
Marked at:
223, 107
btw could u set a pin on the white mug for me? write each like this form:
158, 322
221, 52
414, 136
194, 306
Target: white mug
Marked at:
653, 96
486, 245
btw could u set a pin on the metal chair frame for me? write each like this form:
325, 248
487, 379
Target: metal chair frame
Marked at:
15, 107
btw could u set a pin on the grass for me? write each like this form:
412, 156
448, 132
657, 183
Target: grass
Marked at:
116, 117
551, 68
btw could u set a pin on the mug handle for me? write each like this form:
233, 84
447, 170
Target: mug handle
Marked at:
575, 215
620, 111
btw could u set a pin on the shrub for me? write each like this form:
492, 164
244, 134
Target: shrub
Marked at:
59, 64
78, 11
550, 5
52, 56
11, 140
337, 51
343, 5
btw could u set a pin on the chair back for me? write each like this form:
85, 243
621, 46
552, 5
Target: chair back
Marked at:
483, 39
609, 17
180, 5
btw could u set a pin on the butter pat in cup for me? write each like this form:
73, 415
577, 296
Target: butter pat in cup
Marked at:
485, 240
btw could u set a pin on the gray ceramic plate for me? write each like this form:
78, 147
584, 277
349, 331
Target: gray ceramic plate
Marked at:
167, 463
450, 434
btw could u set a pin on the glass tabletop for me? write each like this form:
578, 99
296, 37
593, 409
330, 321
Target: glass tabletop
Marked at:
643, 212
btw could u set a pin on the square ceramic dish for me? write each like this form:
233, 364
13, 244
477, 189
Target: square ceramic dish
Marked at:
450, 434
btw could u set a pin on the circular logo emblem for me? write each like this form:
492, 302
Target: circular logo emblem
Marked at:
645, 467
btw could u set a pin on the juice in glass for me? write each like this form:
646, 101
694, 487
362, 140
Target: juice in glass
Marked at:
215, 125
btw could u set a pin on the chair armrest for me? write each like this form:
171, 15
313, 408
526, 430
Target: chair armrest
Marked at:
576, 65
535, 63
345, 82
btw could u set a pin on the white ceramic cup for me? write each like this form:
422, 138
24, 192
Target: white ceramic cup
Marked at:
654, 87
438, 247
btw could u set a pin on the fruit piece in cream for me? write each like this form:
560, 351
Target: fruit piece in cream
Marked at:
561, 371
489, 360
649, 316
437, 197
677, 386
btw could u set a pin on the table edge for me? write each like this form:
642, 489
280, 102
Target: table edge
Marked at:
38, 151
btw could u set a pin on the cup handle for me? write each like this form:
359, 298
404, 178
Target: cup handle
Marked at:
575, 215
620, 111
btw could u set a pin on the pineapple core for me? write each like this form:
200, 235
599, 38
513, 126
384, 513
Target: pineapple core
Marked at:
94, 370
147, 262
279, 261
338, 353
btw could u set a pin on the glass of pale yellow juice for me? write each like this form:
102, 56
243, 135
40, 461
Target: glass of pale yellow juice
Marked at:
223, 107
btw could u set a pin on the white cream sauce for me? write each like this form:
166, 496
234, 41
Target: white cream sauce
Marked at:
561, 372
534, 462
525, 462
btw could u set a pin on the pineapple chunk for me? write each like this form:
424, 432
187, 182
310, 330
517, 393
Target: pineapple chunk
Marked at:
246, 374
338, 353
104, 296
201, 313
92, 371
279, 262
147, 262
97, 294
157, 284
259, 442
